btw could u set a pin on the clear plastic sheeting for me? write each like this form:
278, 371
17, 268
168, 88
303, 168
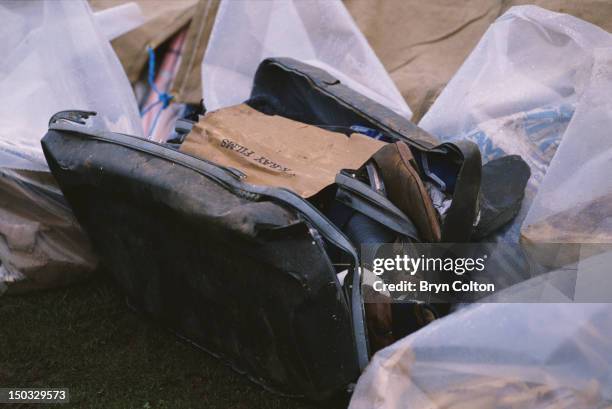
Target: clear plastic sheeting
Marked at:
586, 280
118, 20
574, 202
53, 59
41, 244
519, 356
318, 32
538, 85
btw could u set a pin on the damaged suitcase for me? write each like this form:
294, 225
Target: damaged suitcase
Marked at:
249, 273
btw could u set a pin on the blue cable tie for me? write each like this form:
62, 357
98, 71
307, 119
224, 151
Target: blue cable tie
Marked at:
163, 97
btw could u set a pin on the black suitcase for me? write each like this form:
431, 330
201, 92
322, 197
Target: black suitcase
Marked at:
243, 271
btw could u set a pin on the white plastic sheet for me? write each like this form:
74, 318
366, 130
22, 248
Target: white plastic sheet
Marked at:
519, 356
118, 20
538, 85
554, 354
41, 243
54, 58
317, 32
574, 202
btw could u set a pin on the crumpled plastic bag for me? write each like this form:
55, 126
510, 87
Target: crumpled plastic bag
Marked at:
318, 32
574, 202
538, 85
54, 59
519, 356
41, 243
554, 352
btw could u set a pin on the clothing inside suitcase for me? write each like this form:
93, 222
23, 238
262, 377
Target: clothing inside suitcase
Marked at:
248, 273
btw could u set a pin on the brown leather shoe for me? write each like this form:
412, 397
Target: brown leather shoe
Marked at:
405, 189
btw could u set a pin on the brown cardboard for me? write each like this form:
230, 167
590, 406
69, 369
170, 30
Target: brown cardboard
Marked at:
276, 151
187, 85
423, 43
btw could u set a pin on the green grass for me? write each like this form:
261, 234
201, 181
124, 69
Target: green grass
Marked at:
87, 339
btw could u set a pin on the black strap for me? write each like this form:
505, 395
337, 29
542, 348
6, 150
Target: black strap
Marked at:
361, 198
459, 220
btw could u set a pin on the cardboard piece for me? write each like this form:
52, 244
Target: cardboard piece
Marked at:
187, 85
275, 151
